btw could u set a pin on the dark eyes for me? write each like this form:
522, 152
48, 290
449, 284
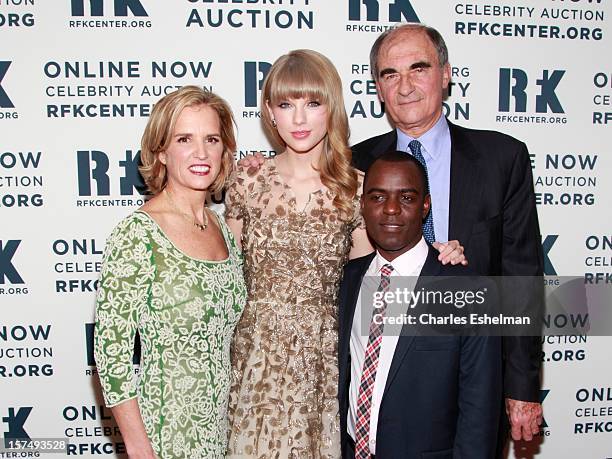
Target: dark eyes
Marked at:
381, 197
211, 139
312, 103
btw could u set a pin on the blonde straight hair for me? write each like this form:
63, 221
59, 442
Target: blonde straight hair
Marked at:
304, 73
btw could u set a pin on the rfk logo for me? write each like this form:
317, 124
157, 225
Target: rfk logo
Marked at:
547, 244
7, 269
5, 101
513, 86
254, 76
543, 394
96, 7
93, 166
15, 423
398, 11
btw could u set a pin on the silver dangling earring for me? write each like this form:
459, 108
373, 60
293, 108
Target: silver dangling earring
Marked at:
273, 122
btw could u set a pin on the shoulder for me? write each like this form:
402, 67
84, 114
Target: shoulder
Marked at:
486, 139
136, 226
366, 151
246, 174
136, 219
247, 177
357, 265
367, 144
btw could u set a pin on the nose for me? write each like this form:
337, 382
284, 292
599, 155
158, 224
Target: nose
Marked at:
405, 85
201, 151
299, 114
392, 206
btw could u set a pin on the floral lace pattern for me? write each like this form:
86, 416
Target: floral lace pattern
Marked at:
284, 358
185, 311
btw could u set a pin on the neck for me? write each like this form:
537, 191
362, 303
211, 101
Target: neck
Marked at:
417, 131
190, 202
391, 255
301, 164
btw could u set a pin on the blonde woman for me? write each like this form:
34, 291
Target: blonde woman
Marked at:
297, 217
173, 272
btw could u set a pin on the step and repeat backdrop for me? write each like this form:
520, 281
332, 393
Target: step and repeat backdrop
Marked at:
78, 79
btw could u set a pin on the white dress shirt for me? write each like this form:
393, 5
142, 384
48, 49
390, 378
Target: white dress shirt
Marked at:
409, 263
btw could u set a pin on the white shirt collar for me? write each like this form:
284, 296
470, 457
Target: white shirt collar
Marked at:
431, 140
407, 264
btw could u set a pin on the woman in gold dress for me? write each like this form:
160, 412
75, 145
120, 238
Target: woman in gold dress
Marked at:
298, 219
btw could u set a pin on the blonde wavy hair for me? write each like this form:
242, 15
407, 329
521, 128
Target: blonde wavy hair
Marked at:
158, 135
304, 73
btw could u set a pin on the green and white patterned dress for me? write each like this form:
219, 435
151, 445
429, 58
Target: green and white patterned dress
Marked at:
185, 311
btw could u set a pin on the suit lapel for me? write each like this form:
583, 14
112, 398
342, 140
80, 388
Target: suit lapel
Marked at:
353, 282
463, 185
430, 268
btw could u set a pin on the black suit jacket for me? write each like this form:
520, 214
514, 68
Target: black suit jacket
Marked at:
492, 213
442, 394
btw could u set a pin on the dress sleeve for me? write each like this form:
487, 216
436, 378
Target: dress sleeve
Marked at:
127, 275
235, 197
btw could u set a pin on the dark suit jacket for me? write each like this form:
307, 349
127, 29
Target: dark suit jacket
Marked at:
442, 394
492, 213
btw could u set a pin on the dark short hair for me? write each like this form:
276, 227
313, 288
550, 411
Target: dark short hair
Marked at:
434, 36
393, 156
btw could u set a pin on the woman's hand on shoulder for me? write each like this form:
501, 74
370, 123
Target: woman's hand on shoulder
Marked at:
252, 161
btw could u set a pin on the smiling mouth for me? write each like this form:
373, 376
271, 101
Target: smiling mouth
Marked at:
391, 226
200, 169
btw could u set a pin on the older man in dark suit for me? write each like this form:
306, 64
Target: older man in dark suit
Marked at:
481, 191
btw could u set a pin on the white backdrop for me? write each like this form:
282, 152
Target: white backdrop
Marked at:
77, 81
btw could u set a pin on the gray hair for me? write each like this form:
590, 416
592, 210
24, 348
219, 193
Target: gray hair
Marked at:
433, 34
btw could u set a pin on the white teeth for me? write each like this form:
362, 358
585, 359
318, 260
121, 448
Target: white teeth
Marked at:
200, 168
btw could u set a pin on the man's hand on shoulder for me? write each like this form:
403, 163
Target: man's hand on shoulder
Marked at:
450, 252
252, 161
525, 418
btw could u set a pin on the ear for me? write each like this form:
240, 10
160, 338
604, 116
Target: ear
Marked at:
446, 75
361, 201
163, 158
269, 109
426, 206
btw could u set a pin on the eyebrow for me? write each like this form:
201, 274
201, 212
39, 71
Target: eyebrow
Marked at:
382, 190
416, 65
189, 134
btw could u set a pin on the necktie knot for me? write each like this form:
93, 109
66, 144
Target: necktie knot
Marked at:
415, 149
386, 270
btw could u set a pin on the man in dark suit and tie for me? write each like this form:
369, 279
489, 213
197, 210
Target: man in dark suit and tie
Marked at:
409, 396
481, 192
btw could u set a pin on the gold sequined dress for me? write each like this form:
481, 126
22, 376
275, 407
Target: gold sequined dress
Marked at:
284, 356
